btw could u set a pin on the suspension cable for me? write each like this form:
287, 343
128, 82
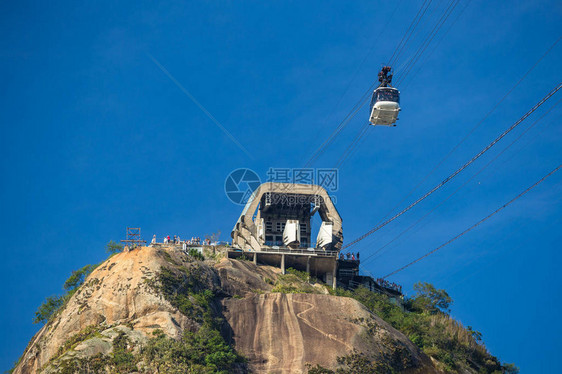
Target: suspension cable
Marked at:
320, 150
426, 57
362, 132
375, 43
400, 48
473, 226
340, 127
464, 184
473, 128
427, 41
355, 142
454, 174
352, 147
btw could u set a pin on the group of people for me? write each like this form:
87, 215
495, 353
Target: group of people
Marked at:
386, 284
167, 240
197, 240
176, 240
350, 256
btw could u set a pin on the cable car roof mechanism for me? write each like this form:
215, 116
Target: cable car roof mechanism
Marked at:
385, 103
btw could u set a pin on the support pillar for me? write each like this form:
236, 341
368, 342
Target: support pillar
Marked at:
335, 277
255, 258
283, 263
308, 266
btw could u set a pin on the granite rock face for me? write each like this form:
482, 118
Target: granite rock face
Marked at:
281, 333
116, 293
276, 332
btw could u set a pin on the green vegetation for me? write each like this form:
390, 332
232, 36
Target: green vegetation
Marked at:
94, 364
78, 277
294, 281
244, 258
216, 257
203, 351
168, 257
54, 303
424, 320
10, 371
121, 360
284, 288
354, 363
510, 369
48, 308
302, 275
113, 247
184, 289
430, 299
86, 333
194, 253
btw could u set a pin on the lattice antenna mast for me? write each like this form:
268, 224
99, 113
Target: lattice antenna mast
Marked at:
134, 237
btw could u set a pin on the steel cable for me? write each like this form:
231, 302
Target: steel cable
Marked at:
427, 41
426, 57
408, 33
473, 226
464, 184
320, 150
349, 150
467, 164
474, 128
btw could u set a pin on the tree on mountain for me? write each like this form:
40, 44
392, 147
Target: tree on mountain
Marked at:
48, 308
113, 247
78, 277
54, 303
510, 369
477, 335
430, 299
213, 237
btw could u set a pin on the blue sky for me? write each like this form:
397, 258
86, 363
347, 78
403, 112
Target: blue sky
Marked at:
95, 137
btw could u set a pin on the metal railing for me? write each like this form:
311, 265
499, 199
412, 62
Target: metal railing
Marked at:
279, 243
307, 251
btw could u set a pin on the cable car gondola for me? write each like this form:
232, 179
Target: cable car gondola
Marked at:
385, 103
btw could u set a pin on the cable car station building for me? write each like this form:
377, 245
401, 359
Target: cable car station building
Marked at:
275, 229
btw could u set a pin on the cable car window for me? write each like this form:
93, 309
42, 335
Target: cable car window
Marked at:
388, 95
373, 100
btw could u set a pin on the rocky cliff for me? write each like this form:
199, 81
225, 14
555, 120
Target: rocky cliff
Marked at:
134, 306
